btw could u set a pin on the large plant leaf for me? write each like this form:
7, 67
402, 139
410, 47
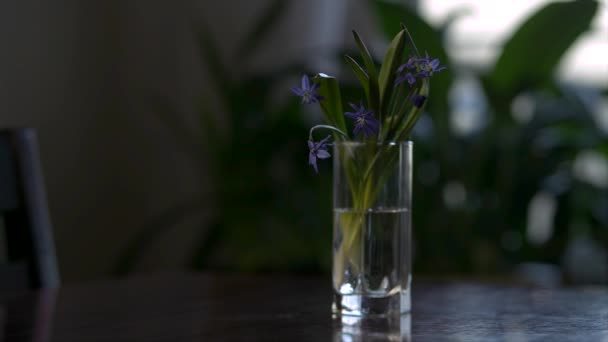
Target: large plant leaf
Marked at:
367, 57
372, 73
332, 104
390, 16
530, 56
386, 79
359, 72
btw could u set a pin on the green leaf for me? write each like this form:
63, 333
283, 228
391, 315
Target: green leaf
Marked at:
530, 56
331, 105
266, 24
429, 39
415, 113
374, 89
363, 79
367, 58
392, 15
386, 79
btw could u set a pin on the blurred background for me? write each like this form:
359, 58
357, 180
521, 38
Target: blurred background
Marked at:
169, 138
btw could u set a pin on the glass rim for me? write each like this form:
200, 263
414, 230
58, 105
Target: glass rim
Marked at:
379, 143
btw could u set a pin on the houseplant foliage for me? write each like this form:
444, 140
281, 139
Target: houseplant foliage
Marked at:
249, 204
536, 153
506, 162
395, 95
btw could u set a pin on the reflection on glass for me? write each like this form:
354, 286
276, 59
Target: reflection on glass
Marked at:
391, 328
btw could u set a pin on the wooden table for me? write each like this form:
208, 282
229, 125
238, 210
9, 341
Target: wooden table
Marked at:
205, 307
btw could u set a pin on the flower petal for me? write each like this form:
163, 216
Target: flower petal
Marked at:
312, 160
434, 63
418, 100
323, 154
305, 82
297, 91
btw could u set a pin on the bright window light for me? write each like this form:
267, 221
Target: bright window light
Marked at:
476, 38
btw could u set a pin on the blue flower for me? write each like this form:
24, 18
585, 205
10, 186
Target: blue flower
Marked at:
409, 77
426, 65
364, 120
418, 100
317, 150
429, 66
410, 65
308, 92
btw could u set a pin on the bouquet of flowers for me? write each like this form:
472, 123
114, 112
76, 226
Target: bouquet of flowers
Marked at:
395, 95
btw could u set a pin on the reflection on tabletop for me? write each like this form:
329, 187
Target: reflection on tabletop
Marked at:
354, 329
35, 325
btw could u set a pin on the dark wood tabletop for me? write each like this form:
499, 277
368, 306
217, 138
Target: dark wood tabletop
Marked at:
210, 307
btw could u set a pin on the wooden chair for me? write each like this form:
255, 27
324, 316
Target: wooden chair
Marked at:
30, 253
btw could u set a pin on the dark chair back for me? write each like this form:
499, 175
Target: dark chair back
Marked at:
30, 252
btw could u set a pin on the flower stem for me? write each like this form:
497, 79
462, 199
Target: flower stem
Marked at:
326, 127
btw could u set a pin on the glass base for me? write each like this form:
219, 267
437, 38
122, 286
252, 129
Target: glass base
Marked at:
366, 305
373, 328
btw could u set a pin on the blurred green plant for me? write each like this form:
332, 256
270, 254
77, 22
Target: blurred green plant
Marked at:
499, 168
272, 213
263, 194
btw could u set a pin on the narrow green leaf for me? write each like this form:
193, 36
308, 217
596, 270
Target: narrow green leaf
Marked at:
530, 56
360, 73
367, 58
374, 101
331, 105
393, 15
410, 41
386, 79
415, 112
398, 110
374, 89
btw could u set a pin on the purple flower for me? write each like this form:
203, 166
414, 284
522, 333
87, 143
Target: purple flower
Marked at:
364, 120
429, 66
418, 100
317, 150
409, 65
409, 77
426, 65
308, 92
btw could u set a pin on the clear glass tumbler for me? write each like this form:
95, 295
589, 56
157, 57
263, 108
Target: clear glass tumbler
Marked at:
372, 191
